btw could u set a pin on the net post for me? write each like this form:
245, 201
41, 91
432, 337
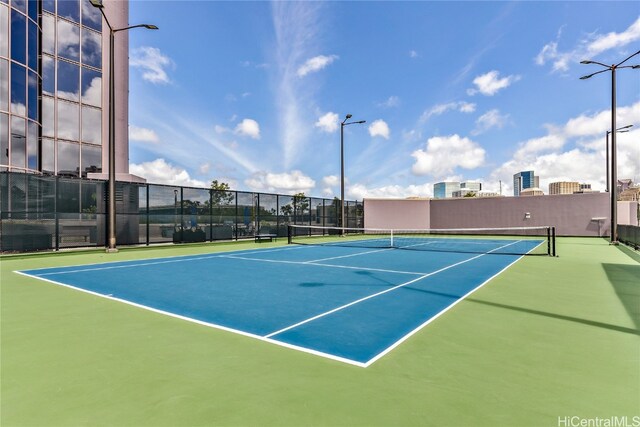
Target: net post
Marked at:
391, 241
548, 240
289, 234
553, 241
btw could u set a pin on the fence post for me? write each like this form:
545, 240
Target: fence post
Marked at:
147, 214
55, 213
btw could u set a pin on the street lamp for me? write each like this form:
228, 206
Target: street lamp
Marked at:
342, 125
614, 178
112, 113
619, 130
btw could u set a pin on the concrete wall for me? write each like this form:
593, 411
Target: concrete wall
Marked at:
397, 213
571, 214
628, 213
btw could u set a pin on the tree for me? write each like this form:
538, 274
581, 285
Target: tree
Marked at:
470, 194
301, 203
221, 196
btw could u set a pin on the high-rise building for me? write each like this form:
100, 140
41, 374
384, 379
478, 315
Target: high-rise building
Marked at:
523, 180
53, 94
564, 187
443, 190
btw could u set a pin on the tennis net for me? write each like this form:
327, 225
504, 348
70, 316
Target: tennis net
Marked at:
511, 241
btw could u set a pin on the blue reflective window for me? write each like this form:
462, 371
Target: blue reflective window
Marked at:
18, 149
32, 96
91, 48
21, 5
4, 139
68, 81
48, 116
49, 5
4, 85
91, 159
32, 52
68, 120
4, 29
48, 75
33, 10
68, 40
18, 89
91, 16
68, 158
18, 37
91, 87
91, 125
48, 34
69, 9
48, 156
32, 145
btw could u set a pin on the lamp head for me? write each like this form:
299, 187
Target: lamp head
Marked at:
97, 3
150, 26
348, 116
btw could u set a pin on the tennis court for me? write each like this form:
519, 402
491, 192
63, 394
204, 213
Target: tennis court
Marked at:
351, 299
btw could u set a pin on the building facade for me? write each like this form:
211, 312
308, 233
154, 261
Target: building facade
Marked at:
564, 187
443, 190
524, 180
53, 96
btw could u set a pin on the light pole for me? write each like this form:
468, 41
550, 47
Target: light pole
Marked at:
112, 113
614, 178
342, 125
619, 130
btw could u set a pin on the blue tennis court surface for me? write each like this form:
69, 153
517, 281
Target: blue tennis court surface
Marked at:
346, 303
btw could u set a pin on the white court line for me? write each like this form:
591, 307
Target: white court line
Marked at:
166, 260
347, 256
326, 313
201, 322
275, 261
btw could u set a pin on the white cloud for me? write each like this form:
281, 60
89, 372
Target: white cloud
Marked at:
142, 134
445, 153
160, 172
413, 54
587, 48
391, 102
316, 63
328, 123
546, 157
379, 128
490, 83
436, 110
153, 64
248, 127
291, 182
489, 120
361, 191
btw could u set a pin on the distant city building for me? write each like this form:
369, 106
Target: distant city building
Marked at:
524, 180
444, 190
585, 187
564, 187
533, 191
624, 184
488, 194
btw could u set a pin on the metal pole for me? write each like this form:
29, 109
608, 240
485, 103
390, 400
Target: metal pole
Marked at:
112, 147
342, 178
614, 176
607, 151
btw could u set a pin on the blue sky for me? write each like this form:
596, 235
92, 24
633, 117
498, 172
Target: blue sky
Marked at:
252, 93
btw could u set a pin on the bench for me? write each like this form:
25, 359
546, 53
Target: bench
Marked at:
265, 237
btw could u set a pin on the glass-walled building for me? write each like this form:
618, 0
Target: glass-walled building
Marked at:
53, 99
